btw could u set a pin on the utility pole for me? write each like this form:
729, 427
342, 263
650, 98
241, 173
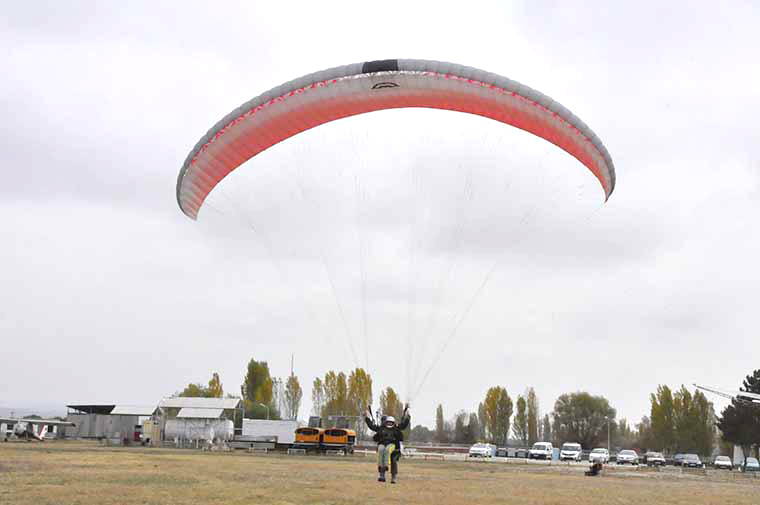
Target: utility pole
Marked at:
608, 435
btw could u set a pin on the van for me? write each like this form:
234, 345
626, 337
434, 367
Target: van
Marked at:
541, 450
571, 451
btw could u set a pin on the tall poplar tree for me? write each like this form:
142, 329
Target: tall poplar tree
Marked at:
532, 416
520, 426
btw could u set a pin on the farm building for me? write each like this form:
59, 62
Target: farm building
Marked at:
107, 421
195, 419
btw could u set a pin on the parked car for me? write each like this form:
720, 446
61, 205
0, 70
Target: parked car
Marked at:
482, 451
541, 450
751, 465
599, 455
502, 452
570, 451
654, 459
522, 452
678, 459
692, 461
627, 457
723, 462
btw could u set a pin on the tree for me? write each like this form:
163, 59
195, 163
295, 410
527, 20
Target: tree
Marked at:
257, 384
335, 387
692, 416
460, 428
705, 424
293, 395
193, 391
390, 404
360, 390
421, 434
680, 422
546, 431
739, 422
533, 416
317, 397
440, 428
359, 397
623, 435
645, 438
448, 432
330, 388
684, 421
581, 417
503, 414
520, 427
214, 389
497, 411
662, 419
473, 429
482, 435
257, 391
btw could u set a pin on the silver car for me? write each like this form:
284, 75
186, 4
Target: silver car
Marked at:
654, 459
627, 457
482, 451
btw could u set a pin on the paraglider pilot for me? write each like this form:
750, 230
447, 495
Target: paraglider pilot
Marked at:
389, 436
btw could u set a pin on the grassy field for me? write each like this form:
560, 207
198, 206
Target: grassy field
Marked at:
83, 473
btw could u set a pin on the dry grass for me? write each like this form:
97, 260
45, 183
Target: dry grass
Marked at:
80, 473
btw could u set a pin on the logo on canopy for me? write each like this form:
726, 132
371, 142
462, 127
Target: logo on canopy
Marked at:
385, 84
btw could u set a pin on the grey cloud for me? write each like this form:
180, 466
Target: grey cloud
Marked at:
102, 103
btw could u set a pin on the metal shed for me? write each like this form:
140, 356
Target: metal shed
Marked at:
180, 402
193, 413
106, 421
184, 418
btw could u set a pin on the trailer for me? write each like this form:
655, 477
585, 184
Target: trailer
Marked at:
279, 432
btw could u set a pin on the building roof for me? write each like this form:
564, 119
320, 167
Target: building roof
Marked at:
200, 403
93, 408
192, 413
133, 410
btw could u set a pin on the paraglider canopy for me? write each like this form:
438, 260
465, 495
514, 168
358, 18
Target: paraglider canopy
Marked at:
354, 89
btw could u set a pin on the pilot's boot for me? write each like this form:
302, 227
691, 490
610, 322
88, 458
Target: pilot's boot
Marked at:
381, 474
393, 478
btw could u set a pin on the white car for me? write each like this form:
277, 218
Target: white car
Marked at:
627, 457
599, 455
482, 451
723, 462
541, 450
570, 451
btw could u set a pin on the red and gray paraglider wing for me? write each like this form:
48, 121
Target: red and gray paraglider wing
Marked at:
365, 87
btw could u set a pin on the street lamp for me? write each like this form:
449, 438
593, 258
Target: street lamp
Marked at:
266, 407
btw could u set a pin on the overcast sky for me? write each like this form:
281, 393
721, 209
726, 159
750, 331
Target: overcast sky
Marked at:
384, 240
